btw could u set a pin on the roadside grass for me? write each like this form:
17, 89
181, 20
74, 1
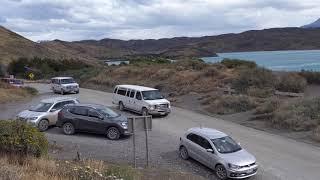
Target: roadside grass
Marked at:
45, 168
10, 94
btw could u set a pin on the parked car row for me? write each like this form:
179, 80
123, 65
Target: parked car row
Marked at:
13, 82
210, 147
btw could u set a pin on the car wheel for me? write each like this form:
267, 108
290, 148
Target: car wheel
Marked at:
144, 112
184, 153
68, 128
113, 133
121, 106
43, 125
221, 172
62, 92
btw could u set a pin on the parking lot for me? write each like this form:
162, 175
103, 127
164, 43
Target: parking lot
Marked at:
278, 157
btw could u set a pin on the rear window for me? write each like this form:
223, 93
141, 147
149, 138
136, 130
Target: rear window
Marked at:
122, 92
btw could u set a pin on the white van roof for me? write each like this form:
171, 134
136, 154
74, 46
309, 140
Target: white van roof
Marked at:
62, 78
135, 87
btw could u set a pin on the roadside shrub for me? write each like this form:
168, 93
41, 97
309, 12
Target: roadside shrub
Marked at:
229, 104
260, 78
20, 138
261, 93
311, 76
191, 64
268, 107
234, 63
291, 82
300, 116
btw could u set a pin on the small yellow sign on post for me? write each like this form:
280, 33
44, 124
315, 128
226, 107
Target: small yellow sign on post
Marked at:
31, 76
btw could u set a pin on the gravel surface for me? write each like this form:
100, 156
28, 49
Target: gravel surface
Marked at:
278, 157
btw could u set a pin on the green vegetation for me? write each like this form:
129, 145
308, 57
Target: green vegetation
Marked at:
311, 76
44, 67
235, 63
291, 82
17, 137
260, 78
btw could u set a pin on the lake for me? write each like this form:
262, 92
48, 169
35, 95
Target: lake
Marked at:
276, 60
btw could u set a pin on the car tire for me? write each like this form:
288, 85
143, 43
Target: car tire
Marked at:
43, 125
121, 106
113, 133
221, 172
144, 112
68, 128
183, 153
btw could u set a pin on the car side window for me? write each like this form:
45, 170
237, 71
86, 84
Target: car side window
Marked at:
193, 138
93, 113
204, 143
132, 93
138, 95
58, 106
128, 92
115, 90
122, 92
82, 111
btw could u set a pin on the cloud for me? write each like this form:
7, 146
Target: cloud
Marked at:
143, 19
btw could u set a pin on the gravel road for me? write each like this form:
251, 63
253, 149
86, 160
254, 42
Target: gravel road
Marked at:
278, 157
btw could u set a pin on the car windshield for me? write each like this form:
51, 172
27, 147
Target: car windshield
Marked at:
226, 145
42, 107
151, 95
108, 112
67, 81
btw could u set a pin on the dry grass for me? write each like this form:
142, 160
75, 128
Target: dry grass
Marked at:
9, 94
13, 168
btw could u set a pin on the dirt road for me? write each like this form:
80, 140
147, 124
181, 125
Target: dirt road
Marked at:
278, 157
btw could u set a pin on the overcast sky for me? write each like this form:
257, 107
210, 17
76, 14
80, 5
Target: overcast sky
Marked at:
142, 19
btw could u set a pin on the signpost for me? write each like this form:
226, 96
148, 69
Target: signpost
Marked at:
140, 123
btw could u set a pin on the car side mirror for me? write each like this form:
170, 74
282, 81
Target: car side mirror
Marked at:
53, 110
210, 151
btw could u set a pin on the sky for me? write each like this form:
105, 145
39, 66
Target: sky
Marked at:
73, 20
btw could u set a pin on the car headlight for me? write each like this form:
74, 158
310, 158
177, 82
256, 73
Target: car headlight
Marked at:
124, 125
152, 107
32, 118
233, 166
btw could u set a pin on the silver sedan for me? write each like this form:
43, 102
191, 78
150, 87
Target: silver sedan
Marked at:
219, 152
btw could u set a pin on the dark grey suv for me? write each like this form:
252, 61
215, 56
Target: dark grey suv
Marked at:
92, 118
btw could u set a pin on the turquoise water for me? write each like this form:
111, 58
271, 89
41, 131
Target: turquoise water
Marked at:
277, 60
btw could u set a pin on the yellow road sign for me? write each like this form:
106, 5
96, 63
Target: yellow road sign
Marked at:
31, 75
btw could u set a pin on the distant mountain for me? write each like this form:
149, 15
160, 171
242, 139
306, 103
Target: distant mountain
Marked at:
13, 45
315, 24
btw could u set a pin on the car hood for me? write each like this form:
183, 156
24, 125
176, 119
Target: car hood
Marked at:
120, 118
239, 158
71, 84
157, 101
28, 113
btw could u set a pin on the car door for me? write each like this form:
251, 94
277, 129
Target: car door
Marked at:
137, 102
80, 115
53, 112
192, 146
131, 99
207, 158
94, 122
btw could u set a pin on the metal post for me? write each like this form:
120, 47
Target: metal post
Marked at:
147, 146
134, 142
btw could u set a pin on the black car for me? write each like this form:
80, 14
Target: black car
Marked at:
92, 118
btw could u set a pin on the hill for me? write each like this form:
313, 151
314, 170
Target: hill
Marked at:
315, 24
254, 40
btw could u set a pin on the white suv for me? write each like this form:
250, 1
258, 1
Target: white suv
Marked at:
141, 99
64, 85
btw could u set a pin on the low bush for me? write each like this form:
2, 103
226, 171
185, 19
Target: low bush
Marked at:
20, 138
260, 78
229, 104
299, 116
269, 106
191, 64
234, 63
260, 93
312, 77
291, 82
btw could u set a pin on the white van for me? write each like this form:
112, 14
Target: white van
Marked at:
140, 99
64, 85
